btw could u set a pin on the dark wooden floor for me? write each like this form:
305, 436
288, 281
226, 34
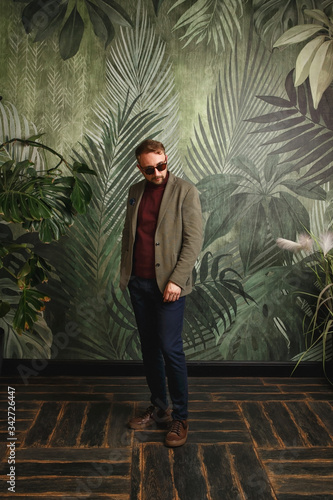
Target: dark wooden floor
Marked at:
250, 438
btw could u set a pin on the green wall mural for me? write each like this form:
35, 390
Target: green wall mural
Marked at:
96, 77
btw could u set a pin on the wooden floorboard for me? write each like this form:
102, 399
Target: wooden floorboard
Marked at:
249, 439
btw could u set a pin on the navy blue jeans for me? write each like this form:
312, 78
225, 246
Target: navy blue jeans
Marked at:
160, 327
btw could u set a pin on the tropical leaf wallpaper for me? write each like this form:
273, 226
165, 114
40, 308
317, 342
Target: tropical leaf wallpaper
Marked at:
98, 76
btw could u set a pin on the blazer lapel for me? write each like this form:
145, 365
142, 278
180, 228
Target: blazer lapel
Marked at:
136, 196
169, 188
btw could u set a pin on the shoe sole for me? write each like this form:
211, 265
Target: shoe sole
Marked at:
174, 444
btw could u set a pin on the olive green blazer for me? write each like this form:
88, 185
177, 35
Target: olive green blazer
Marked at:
178, 236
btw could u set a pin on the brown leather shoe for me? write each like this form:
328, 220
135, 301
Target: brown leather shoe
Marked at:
148, 417
177, 434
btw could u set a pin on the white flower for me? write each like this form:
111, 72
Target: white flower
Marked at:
326, 242
306, 241
293, 246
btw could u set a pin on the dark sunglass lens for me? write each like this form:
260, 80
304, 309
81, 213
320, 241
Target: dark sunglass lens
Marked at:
151, 170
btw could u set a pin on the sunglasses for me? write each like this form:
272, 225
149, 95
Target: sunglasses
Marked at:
151, 170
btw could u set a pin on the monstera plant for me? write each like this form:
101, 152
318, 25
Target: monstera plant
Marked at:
40, 199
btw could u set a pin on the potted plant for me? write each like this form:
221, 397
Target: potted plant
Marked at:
319, 260
38, 198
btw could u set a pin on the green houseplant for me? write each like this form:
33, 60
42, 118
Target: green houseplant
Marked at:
319, 304
40, 199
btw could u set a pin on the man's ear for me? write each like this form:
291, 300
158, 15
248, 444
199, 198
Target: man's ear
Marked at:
166, 158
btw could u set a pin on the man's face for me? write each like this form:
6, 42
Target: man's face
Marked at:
152, 160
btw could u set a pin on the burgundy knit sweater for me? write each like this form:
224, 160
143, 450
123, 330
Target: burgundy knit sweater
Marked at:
144, 248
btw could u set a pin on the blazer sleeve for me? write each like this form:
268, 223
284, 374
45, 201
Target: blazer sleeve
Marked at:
126, 229
125, 261
192, 236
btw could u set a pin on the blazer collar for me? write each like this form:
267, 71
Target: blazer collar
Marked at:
169, 188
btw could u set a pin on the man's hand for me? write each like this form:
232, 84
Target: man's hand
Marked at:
171, 292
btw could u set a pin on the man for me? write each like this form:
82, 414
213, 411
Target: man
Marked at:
162, 238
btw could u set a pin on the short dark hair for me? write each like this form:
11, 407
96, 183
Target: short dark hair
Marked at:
149, 146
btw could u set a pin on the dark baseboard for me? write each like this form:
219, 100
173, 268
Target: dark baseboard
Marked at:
55, 367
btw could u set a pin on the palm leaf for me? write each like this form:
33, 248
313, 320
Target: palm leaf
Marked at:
272, 18
287, 216
270, 328
254, 235
157, 5
307, 142
137, 70
212, 304
211, 20
14, 125
316, 353
245, 73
